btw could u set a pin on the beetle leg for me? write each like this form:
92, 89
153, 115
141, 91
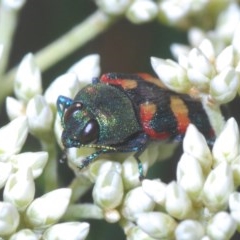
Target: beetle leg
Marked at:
89, 159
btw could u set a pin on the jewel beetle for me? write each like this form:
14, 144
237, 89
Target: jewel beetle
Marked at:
124, 112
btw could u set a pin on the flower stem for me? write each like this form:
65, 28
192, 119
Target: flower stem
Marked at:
62, 47
50, 177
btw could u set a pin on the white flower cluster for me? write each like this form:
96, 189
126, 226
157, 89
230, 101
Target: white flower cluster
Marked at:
177, 13
195, 206
20, 214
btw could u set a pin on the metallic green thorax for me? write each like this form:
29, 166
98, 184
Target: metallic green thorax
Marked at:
112, 109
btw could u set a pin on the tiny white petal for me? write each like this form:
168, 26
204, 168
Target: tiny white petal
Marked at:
178, 50
108, 190
13, 4
224, 86
113, 7
196, 36
35, 161
112, 216
198, 61
195, 145
218, 186
5, 171
155, 189
176, 15
48, 209
14, 108
227, 23
234, 206
100, 167
207, 48
189, 230
13, 136
190, 176
9, 218
142, 11
178, 204
87, 68
136, 201
25, 234
157, 225
67, 230
130, 173
225, 59
221, 226
40, 117
227, 144
171, 74
28, 79
136, 233
20, 189
66, 85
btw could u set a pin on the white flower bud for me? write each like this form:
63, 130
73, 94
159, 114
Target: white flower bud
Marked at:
28, 79
227, 23
196, 146
48, 209
9, 218
100, 167
67, 230
142, 11
40, 118
224, 86
178, 204
25, 234
171, 74
14, 108
5, 171
200, 70
87, 68
108, 190
225, 59
218, 187
172, 12
234, 206
221, 226
236, 33
157, 225
227, 145
130, 173
235, 166
190, 176
179, 50
66, 85
135, 233
113, 7
12, 137
13, 4
35, 161
112, 216
20, 189
206, 46
155, 189
135, 202
189, 230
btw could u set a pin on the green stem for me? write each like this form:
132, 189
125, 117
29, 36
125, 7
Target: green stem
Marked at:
62, 47
8, 23
83, 211
50, 177
214, 115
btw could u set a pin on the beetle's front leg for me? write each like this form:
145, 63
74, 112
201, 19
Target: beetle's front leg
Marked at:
89, 159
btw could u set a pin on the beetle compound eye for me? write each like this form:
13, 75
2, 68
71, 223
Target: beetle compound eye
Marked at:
90, 133
73, 108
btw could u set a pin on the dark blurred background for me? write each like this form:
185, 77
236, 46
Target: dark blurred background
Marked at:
124, 47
